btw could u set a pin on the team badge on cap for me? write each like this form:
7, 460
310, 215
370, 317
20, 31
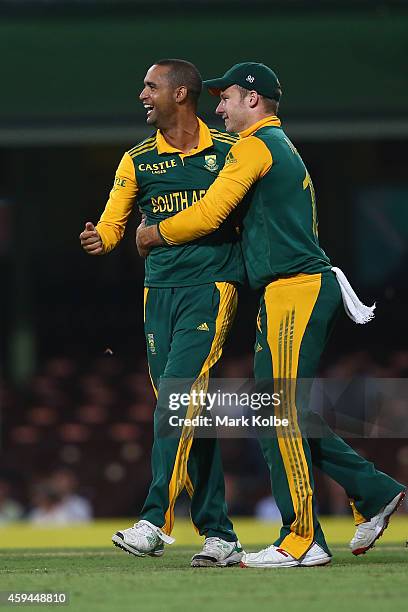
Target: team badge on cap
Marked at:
249, 75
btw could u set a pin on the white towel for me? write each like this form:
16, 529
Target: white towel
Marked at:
355, 309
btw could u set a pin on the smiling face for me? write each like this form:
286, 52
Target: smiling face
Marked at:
158, 97
234, 109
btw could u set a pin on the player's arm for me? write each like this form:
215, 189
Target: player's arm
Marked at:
111, 227
248, 161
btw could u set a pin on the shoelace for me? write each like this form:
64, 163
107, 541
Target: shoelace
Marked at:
362, 529
271, 547
143, 528
150, 530
211, 543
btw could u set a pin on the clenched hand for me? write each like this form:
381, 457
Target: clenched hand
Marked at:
147, 238
90, 240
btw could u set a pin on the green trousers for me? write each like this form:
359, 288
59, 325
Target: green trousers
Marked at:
296, 317
185, 329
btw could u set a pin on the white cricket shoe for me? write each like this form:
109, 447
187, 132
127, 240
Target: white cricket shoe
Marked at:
142, 539
273, 556
218, 553
368, 533
315, 556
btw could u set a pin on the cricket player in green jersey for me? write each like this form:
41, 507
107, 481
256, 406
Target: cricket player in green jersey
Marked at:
301, 298
190, 300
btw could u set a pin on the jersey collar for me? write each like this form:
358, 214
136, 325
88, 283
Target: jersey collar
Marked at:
271, 120
204, 142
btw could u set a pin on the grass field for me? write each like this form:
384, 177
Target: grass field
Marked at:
97, 577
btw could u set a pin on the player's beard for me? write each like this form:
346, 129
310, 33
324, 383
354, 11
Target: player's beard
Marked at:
151, 119
237, 119
227, 123
160, 116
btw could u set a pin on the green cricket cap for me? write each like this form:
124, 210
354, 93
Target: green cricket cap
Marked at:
249, 75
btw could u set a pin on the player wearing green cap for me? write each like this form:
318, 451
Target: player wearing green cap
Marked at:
190, 300
301, 298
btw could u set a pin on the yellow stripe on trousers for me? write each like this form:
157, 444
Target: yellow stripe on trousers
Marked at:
289, 304
145, 294
358, 517
189, 484
226, 313
190, 491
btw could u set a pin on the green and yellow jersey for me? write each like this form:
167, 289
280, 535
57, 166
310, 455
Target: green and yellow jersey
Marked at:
163, 181
279, 226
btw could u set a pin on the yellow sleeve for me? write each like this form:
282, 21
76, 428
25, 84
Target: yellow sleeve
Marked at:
248, 160
112, 223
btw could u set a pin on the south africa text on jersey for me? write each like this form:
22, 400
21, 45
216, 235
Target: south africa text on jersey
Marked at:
176, 201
